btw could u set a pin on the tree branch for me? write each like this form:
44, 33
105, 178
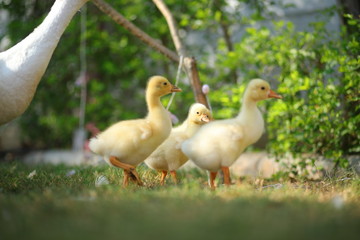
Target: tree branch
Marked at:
121, 20
172, 26
189, 62
191, 67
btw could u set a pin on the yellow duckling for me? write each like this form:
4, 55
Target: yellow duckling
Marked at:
218, 144
168, 156
128, 143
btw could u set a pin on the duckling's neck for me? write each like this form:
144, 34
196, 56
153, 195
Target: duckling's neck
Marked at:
157, 113
153, 101
249, 110
191, 127
251, 117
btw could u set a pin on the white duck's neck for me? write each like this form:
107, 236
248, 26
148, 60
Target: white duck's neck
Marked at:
23, 65
31, 56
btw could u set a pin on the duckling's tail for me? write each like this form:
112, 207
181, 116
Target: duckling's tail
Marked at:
95, 145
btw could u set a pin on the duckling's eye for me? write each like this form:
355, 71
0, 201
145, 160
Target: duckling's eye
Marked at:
262, 88
197, 113
165, 83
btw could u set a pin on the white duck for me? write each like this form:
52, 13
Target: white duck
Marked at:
168, 156
128, 143
23, 65
218, 144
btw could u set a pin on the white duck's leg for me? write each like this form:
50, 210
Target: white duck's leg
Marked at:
163, 176
129, 170
226, 172
173, 175
212, 179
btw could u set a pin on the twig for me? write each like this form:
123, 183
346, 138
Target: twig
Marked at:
176, 81
121, 20
172, 26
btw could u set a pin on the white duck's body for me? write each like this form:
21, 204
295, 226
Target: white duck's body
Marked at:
23, 65
218, 144
128, 143
168, 156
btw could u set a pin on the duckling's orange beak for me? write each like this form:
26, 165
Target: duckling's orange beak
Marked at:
204, 118
175, 89
273, 94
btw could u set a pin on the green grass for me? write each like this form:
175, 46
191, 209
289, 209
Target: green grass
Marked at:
52, 205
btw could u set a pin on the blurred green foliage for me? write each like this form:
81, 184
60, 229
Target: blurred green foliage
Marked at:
317, 72
318, 75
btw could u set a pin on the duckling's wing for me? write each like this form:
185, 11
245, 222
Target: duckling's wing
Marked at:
213, 142
123, 137
222, 141
134, 130
234, 132
222, 130
146, 131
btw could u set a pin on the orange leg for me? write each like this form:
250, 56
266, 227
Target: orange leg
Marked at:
129, 170
173, 175
126, 179
212, 179
163, 176
226, 171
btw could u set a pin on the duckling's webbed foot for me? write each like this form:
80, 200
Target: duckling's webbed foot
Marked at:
129, 171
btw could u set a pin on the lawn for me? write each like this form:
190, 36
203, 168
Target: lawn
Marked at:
60, 202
